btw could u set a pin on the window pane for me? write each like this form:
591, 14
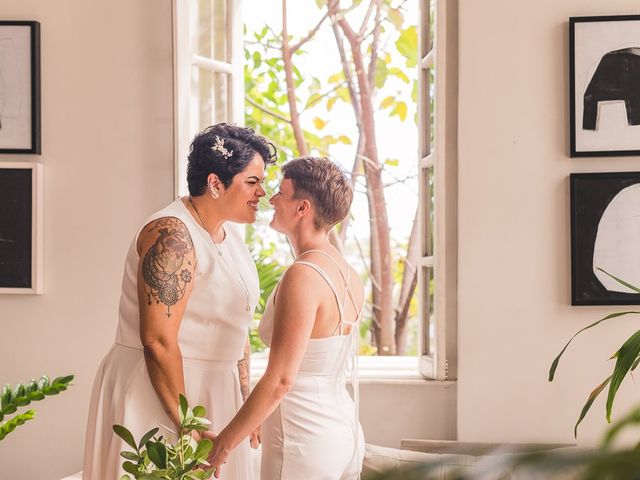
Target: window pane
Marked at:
210, 18
428, 211
428, 304
209, 98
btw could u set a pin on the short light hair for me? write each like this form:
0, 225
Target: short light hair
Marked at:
324, 184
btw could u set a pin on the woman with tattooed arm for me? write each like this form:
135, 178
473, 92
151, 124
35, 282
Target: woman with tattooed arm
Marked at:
188, 295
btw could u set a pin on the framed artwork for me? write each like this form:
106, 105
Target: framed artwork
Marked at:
21, 228
19, 87
605, 234
604, 76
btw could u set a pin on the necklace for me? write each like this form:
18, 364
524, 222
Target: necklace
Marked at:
193, 205
239, 278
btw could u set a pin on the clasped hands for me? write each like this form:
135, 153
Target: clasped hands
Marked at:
221, 449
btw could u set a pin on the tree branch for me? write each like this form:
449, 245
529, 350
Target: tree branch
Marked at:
374, 44
321, 96
266, 110
287, 55
365, 21
309, 35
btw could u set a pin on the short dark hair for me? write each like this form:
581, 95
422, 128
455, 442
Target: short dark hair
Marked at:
203, 160
323, 183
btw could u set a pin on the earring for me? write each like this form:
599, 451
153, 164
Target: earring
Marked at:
215, 193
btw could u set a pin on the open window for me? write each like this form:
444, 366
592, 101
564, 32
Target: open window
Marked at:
208, 75
437, 126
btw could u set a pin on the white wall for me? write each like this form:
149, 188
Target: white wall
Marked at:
514, 273
107, 143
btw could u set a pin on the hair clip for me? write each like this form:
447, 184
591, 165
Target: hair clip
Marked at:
219, 147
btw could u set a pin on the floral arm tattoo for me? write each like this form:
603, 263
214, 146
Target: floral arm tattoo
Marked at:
166, 269
243, 371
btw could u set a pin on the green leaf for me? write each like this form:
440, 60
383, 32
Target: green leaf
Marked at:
628, 285
392, 162
50, 390
556, 361
400, 109
319, 123
147, 436
336, 77
592, 396
257, 59
396, 18
626, 357
130, 468
22, 401
63, 380
158, 454
125, 435
35, 396
387, 102
381, 73
407, 45
203, 449
395, 71
184, 407
134, 457
9, 409
344, 139
125, 477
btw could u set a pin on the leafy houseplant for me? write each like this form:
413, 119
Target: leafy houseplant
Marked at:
23, 394
154, 458
627, 359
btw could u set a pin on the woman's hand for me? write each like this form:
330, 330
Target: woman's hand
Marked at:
220, 452
255, 439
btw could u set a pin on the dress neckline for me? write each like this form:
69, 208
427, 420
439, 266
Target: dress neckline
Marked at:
201, 228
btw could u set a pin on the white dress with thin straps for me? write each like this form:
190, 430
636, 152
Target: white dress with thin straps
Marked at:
212, 336
314, 434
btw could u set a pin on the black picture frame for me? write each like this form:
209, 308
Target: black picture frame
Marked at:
600, 49
21, 228
20, 63
591, 194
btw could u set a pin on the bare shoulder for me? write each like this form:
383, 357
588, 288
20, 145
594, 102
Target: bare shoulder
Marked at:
167, 262
170, 231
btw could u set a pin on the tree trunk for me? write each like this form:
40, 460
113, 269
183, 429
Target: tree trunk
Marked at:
380, 239
408, 288
287, 55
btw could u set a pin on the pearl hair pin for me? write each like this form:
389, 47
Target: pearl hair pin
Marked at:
219, 147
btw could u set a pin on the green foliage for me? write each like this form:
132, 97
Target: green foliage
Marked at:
153, 457
627, 360
23, 394
269, 274
321, 94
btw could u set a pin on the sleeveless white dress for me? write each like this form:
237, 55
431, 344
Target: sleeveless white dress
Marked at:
314, 434
212, 337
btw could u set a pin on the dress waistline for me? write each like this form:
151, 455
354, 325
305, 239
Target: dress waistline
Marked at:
192, 361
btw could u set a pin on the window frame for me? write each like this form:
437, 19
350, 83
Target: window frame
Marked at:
438, 181
184, 60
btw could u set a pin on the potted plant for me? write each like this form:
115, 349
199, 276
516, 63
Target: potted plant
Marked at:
154, 457
627, 359
21, 395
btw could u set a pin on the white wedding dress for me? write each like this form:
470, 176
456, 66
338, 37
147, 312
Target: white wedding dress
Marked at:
212, 337
314, 434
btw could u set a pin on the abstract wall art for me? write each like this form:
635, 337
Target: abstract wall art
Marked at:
605, 237
21, 228
19, 87
604, 55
